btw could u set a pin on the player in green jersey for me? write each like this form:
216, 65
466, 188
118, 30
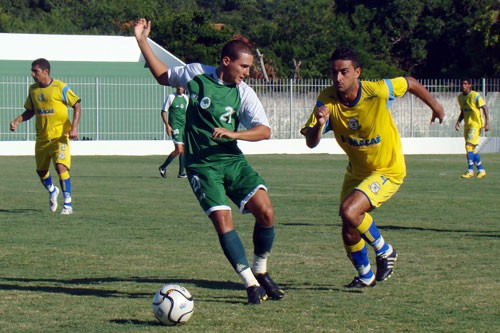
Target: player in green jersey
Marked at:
175, 105
219, 102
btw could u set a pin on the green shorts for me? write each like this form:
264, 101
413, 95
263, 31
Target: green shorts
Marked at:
213, 183
178, 135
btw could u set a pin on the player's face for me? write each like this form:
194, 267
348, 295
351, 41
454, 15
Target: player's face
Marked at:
38, 74
236, 70
466, 87
344, 75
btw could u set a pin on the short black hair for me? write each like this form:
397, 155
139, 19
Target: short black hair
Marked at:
42, 63
346, 53
234, 48
466, 80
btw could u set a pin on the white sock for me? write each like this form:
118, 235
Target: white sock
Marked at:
259, 264
248, 278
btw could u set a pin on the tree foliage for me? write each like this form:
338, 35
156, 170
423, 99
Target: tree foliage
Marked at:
424, 38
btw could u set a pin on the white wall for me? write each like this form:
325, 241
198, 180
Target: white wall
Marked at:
292, 146
87, 48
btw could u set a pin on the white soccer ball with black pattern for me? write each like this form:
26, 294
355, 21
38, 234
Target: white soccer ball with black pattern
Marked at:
173, 305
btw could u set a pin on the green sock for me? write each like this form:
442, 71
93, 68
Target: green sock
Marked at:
234, 250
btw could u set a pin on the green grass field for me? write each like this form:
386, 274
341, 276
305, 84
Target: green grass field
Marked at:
132, 232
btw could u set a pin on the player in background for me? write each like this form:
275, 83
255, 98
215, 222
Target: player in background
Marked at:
219, 100
48, 100
176, 105
471, 103
358, 113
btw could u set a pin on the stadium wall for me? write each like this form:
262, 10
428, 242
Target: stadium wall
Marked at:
411, 146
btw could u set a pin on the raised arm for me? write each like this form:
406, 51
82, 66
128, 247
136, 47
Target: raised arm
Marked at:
419, 90
142, 28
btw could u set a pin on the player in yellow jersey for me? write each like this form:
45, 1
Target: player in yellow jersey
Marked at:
358, 113
48, 99
471, 103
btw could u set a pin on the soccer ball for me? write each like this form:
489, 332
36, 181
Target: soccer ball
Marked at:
173, 305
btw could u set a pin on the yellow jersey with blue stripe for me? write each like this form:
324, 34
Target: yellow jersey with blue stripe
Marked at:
365, 129
50, 105
471, 105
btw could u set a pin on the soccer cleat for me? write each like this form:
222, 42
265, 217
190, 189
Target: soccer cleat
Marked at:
358, 284
163, 172
256, 294
481, 174
67, 210
181, 176
468, 174
272, 289
53, 199
385, 265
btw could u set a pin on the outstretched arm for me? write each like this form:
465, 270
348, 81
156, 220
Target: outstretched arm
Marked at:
419, 90
159, 70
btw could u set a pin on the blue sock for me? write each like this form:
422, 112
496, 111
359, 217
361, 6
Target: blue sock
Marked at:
65, 182
477, 162
358, 254
369, 232
470, 161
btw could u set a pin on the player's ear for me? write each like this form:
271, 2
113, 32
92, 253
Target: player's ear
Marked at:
225, 61
357, 71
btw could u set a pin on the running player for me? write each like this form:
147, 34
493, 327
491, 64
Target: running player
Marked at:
219, 101
48, 99
176, 105
358, 113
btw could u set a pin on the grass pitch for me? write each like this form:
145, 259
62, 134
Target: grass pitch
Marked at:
132, 232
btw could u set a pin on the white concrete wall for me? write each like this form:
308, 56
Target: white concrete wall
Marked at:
86, 48
292, 146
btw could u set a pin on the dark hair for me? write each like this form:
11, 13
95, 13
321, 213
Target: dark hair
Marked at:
42, 63
234, 48
466, 80
346, 53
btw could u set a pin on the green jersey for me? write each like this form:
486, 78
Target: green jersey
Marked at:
176, 106
212, 104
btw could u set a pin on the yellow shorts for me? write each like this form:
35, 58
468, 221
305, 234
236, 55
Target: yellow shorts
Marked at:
472, 135
56, 150
377, 188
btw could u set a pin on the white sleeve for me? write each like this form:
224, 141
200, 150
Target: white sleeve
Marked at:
251, 112
180, 76
168, 102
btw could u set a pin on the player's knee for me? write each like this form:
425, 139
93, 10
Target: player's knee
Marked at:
265, 216
347, 213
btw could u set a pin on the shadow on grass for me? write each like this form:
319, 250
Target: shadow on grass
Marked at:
474, 233
63, 288
19, 211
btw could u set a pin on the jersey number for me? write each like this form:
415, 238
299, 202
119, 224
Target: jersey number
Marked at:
226, 116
